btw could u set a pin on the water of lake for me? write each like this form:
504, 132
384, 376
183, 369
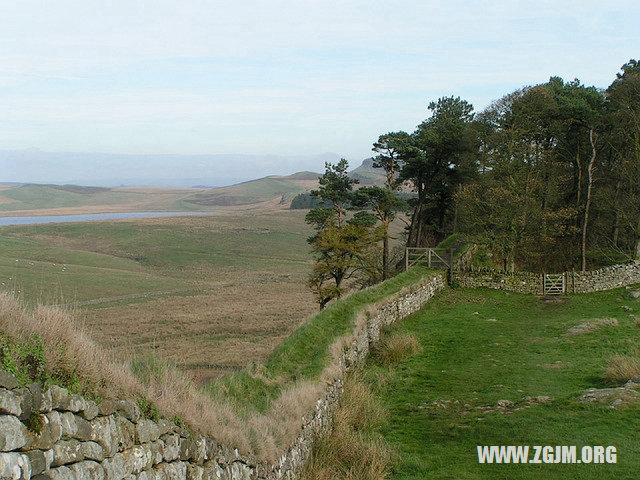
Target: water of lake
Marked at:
35, 220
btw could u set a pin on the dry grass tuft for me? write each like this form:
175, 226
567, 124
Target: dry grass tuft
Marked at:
69, 352
621, 369
398, 347
352, 450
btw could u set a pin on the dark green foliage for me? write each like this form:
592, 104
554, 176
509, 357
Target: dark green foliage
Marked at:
25, 360
304, 201
148, 409
546, 176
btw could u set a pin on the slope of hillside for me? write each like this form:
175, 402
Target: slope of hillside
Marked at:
265, 189
33, 199
366, 174
278, 189
269, 191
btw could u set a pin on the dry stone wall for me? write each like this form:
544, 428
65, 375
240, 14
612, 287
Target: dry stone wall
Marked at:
523, 282
606, 278
51, 434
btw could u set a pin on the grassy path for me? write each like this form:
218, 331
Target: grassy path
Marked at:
481, 347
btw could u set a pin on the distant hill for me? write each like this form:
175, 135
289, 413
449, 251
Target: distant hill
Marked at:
274, 191
367, 175
69, 199
278, 189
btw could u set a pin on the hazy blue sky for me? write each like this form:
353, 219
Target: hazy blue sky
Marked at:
280, 77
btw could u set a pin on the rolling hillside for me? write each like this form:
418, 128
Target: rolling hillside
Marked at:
271, 191
278, 190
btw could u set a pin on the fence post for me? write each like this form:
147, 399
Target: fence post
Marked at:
406, 259
429, 258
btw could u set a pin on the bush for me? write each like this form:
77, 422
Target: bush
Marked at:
353, 449
621, 369
398, 347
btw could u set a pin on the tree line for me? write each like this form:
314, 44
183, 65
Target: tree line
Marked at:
546, 177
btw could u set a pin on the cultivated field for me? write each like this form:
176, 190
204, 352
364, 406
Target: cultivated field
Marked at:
211, 293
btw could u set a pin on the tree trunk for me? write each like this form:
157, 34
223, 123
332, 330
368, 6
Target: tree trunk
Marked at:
412, 239
585, 225
616, 206
638, 243
385, 252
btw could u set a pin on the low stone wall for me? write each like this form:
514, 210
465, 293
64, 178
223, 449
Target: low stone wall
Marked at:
606, 278
523, 282
52, 434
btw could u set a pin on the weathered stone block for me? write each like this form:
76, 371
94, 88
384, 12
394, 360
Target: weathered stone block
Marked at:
129, 410
103, 431
63, 400
138, 458
15, 466
92, 451
187, 449
9, 403
88, 470
212, 471
157, 448
84, 430
13, 434
125, 433
7, 380
68, 424
114, 468
60, 473
171, 471
38, 461
67, 451
107, 407
90, 411
165, 426
171, 449
194, 472
26, 403
146, 431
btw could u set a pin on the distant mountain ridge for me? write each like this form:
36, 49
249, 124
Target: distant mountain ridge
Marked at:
269, 191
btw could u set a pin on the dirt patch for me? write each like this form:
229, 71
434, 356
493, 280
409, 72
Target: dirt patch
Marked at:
592, 325
504, 407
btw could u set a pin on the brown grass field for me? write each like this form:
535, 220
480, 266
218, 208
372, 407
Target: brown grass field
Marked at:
210, 293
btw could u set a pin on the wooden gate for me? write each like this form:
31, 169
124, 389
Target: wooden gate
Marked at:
554, 284
429, 257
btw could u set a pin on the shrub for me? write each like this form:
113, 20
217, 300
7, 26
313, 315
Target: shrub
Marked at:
622, 369
353, 449
398, 347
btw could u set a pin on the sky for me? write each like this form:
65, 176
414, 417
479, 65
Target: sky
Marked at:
280, 77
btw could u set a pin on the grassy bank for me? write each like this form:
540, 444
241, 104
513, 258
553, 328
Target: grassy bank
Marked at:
306, 352
498, 368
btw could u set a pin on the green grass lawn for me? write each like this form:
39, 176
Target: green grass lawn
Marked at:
483, 346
